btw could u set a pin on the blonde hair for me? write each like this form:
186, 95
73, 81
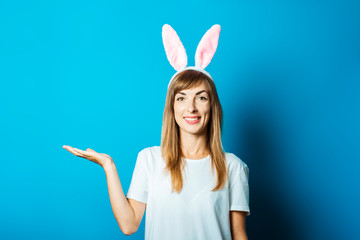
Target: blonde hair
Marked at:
170, 139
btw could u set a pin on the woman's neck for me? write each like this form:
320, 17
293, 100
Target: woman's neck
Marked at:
193, 146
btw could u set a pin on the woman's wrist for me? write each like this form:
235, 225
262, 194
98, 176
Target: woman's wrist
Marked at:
108, 165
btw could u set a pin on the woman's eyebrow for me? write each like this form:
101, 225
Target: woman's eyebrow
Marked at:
182, 93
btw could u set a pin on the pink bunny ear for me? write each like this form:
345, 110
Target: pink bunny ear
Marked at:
174, 49
207, 47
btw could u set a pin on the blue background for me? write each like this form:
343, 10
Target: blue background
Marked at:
94, 74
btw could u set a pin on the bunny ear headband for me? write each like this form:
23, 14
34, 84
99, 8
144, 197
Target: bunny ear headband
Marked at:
176, 53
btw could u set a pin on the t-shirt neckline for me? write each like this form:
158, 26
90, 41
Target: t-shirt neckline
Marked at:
198, 160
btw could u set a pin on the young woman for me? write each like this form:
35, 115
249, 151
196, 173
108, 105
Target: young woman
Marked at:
189, 186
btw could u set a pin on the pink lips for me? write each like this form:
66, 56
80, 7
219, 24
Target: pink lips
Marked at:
192, 122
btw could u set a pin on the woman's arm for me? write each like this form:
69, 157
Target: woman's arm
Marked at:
128, 214
237, 225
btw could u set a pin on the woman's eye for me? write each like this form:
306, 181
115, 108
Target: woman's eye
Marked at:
179, 99
203, 98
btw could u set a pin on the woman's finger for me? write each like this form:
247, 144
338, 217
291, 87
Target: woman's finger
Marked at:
77, 151
73, 151
68, 148
90, 150
83, 152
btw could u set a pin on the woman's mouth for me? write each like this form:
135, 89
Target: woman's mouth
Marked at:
192, 120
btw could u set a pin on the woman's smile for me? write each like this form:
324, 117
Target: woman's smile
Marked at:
192, 119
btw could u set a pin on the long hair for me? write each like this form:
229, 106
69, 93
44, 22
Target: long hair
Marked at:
170, 138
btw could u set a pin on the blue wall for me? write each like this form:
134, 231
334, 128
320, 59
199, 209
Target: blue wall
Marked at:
94, 74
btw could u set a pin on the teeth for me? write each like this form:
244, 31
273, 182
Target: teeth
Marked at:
192, 119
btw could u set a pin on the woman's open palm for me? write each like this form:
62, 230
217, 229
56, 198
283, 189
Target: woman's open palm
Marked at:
99, 158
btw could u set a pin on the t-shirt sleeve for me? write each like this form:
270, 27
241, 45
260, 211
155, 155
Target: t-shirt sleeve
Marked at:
239, 190
138, 189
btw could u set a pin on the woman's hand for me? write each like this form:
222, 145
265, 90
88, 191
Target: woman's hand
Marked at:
100, 158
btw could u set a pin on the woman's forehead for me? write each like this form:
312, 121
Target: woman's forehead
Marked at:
195, 89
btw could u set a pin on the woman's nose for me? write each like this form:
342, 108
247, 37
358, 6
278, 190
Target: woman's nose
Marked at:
191, 106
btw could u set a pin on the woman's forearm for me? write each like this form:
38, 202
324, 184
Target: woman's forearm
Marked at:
123, 211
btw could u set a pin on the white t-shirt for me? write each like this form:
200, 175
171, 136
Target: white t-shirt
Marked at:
196, 212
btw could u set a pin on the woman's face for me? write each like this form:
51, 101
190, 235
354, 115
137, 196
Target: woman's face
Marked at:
192, 109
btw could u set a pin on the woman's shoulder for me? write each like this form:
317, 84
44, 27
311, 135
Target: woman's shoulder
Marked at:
234, 161
151, 156
153, 151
